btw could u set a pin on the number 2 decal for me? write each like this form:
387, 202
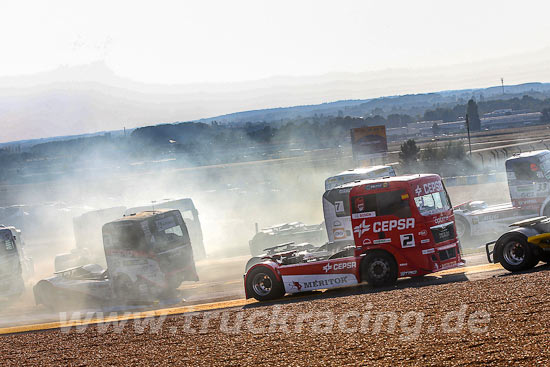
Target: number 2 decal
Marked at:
407, 240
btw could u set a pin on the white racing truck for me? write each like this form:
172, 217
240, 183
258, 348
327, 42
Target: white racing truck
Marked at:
358, 174
528, 177
336, 201
148, 255
15, 267
88, 240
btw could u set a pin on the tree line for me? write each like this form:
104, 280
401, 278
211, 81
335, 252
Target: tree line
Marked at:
456, 113
207, 143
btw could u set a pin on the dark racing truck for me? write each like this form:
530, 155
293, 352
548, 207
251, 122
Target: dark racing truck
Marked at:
402, 226
15, 267
148, 255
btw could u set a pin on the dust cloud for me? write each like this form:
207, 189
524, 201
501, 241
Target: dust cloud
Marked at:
230, 199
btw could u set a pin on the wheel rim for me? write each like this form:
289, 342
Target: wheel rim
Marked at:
460, 228
261, 284
379, 268
513, 253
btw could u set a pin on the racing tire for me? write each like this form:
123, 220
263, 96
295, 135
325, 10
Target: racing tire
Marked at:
173, 281
516, 254
379, 268
463, 231
262, 284
253, 261
47, 295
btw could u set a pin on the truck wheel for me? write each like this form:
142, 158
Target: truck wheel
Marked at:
379, 268
262, 284
516, 254
462, 229
46, 294
173, 281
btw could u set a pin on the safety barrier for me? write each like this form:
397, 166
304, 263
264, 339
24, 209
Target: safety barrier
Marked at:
474, 179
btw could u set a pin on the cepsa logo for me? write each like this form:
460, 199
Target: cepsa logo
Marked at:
428, 188
339, 266
384, 226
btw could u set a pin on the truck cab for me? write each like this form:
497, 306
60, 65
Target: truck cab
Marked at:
410, 217
15, 267
401, 226
528, 177
148, 252
190, 215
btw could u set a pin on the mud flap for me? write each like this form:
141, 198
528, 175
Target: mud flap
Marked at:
190, 273
489, 252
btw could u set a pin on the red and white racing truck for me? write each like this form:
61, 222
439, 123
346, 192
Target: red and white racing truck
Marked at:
402, 226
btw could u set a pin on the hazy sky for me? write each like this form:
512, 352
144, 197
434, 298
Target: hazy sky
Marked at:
209, 41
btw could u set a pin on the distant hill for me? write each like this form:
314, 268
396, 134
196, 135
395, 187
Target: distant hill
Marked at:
412, 104
281, 113
91, 98
25, 144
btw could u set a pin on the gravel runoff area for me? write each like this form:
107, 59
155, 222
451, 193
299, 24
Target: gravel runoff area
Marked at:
499, 321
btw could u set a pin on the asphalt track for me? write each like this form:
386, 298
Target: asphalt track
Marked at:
470, 272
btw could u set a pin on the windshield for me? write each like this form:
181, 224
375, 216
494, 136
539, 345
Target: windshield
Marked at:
7, 245
128, 236
169, 234
545, 166
529, 170
433, 203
